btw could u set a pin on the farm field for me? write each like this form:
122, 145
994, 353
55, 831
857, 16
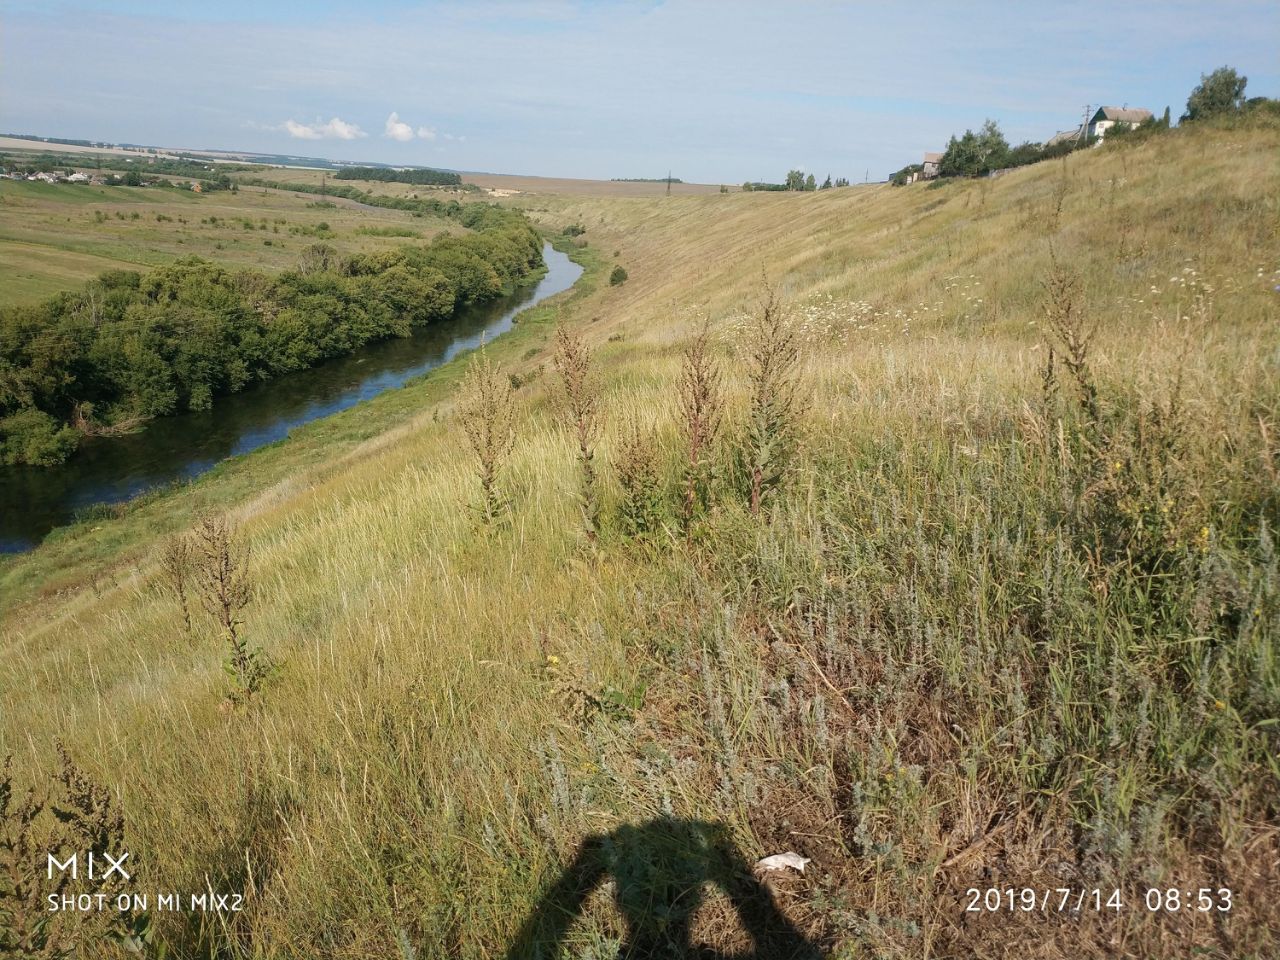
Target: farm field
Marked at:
539, 186
565, 186
1008, 617
54, 237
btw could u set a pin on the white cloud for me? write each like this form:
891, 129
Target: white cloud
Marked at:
334, 129
426, 133
397, 129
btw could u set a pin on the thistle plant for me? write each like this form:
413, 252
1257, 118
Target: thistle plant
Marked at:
640, 509
226, 590
701, 405
582, 410
774, 416
1074, 336
177, 560
488, 419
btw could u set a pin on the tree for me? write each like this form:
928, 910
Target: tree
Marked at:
975, 154
795, 180
1220, 92
810, 183
993, 148
960, 157
826, 184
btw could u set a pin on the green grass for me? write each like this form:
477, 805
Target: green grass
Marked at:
81, 194
54, 237
984, 638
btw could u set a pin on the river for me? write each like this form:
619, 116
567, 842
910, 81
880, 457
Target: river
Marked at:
105, 470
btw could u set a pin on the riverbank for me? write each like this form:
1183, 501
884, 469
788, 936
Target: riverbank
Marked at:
87, 551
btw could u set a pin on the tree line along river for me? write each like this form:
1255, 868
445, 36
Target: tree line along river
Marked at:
106, 470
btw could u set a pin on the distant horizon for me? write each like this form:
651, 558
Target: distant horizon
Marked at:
606, 90
61, 140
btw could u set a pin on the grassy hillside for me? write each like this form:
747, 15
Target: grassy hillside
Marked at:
1007, 623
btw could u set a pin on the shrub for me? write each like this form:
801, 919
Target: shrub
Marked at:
33, 437
618, 276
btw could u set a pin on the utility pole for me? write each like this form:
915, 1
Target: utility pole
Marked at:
668, 181
1084, 126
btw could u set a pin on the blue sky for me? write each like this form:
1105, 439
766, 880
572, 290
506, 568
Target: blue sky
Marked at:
716, 92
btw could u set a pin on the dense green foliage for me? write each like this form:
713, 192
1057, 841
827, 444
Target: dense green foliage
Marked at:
978, 154
423, 176
974, 154
1219, 92
618, 276
131, 346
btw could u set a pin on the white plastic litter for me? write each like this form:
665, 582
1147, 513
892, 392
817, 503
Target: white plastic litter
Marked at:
780, 860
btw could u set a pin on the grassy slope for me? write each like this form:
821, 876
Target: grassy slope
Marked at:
51, 238
911, 675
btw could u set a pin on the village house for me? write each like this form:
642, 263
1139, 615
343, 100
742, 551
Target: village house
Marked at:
78, 177
929, 169
1065, 136
1108, 117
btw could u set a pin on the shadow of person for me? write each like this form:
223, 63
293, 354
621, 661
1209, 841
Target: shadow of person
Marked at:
660, 870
